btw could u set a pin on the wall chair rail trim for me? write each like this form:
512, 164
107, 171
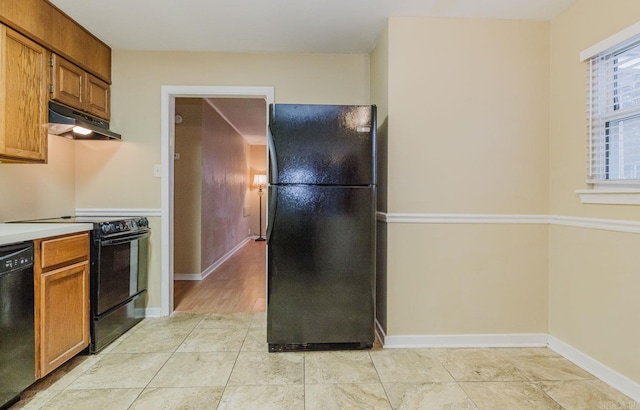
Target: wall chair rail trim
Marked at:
616, 225
117, 212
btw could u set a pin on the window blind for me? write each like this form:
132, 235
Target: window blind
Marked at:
613, 101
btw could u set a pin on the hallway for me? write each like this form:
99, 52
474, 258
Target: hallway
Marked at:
237, 286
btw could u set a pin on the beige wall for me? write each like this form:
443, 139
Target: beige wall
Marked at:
593, 296
187, 193
468, 115
446, 279
138, 76
40, 190
127, 167
593, 275
467, 133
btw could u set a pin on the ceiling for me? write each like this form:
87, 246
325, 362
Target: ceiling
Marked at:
247, 115
309, 26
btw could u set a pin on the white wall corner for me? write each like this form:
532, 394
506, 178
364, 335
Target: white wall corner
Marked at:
599, 370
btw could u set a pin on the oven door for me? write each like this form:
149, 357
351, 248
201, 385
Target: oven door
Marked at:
121, 269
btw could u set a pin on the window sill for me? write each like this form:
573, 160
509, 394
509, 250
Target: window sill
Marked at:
610, 196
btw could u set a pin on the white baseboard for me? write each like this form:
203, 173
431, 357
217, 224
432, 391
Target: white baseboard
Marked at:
216, 264
153, 312
187, 276
493, 340
602, 372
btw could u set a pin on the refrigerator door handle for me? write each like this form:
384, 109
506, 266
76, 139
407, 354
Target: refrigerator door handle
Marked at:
271, 147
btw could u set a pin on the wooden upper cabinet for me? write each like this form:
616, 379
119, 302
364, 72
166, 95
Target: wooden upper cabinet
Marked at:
76, 88
49, 26
98, 97
68, 82
23, 98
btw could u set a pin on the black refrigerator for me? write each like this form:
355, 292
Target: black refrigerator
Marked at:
321, 227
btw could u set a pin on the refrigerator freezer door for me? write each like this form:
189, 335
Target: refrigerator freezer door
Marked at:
322, 144
321, 267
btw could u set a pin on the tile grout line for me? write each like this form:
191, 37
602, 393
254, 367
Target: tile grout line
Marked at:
380, 379
511, 361
163, 365
235, 362
457, 382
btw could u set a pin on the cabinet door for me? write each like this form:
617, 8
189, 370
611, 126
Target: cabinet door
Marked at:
68, 83
23, 98
98, 97
76, 88
64, 315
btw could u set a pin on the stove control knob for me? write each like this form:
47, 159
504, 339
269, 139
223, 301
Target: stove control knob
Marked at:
106, 228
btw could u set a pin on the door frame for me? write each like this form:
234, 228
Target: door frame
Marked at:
169, 93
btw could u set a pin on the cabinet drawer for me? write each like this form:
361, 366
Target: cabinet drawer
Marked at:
60, 250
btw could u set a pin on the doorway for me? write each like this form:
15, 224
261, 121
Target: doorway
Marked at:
168, 112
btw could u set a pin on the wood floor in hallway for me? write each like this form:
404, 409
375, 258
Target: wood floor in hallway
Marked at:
236, 286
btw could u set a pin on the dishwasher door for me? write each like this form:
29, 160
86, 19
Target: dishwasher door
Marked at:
17, 335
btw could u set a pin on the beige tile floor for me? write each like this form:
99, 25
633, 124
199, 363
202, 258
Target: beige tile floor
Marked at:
208, 361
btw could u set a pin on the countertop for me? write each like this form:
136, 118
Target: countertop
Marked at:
19, 232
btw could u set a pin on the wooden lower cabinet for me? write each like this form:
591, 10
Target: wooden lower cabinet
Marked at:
62, 300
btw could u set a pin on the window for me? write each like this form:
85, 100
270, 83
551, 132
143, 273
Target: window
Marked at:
614, 114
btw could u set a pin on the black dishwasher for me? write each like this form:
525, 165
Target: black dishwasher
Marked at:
17, 337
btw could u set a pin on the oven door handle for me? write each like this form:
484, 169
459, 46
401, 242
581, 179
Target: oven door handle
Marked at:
124, 239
